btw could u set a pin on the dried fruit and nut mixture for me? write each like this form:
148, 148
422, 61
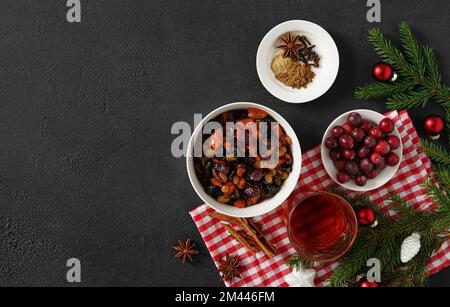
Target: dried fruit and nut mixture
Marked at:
242, 181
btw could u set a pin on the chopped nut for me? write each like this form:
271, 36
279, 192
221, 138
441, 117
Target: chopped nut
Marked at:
223, 199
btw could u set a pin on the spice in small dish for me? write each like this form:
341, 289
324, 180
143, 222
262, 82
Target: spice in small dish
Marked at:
293, 65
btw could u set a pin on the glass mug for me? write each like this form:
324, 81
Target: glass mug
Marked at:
322, 226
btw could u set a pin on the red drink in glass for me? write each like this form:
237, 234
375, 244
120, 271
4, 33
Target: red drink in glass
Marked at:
322, 226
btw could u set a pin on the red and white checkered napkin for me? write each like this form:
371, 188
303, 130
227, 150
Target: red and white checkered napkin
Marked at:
258, 270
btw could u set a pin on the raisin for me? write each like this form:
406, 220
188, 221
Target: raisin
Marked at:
256, 174
252, 190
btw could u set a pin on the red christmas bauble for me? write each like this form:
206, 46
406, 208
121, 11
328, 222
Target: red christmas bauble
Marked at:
383, 72
365, 215
433, 125
367, 284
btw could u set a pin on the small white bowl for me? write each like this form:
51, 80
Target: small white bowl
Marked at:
387, 174
325, 75
267, 205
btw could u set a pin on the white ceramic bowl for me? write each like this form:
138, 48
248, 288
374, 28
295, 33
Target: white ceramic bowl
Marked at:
267, 205
387, 174
325, 75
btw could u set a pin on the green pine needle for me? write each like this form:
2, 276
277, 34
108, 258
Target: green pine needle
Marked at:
419, 79
437, 154
297, 261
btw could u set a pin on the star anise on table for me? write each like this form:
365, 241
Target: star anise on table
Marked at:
229, 267
291, 46
185, 250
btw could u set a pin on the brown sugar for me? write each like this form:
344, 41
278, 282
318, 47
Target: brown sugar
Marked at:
292, 73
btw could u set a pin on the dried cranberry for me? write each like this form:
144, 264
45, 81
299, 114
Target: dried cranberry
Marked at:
222, 167
252, 190
256, 174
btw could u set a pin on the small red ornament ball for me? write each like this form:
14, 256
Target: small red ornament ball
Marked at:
365, 215
383, 72
433, 125
367, 284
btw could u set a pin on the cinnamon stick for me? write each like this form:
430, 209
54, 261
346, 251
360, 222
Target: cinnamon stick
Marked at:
239, 238
267, 250
225, 218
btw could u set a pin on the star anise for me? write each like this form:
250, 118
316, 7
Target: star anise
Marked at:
185, 250
229, 267
291, 46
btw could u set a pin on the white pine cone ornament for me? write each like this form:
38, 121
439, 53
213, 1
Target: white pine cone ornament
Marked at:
410, 247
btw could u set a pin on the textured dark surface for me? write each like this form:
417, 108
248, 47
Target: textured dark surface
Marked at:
86, 111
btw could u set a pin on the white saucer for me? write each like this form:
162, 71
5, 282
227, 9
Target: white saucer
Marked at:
325, 75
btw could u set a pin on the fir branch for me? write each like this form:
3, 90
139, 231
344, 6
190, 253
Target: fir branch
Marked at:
413, 50
447, 124
389, 53
298, 261
419, 78
436, 153
438, 196
380, 89
431, 65
408, 100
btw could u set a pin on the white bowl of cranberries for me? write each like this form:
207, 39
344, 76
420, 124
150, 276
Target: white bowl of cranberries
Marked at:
362, 150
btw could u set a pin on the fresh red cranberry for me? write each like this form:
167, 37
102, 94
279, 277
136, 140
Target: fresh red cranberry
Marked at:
346, 141
354, 119
331, 143
342, 177
376, 133
370, 141
366, 125
337, 131
340, 165
376, 158
351, 168
348, 154
374, 173
334, 155
366, 166
386, 125
392, 159
393, 141
347, 127
358, 134
364, 152
382, 147
361, 180
382, 165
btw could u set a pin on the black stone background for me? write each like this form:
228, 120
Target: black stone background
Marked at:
86, 111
